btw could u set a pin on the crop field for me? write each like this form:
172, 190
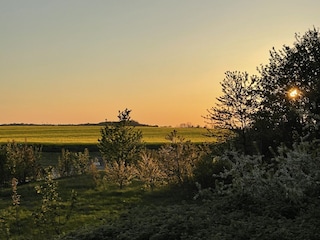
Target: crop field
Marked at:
86, 134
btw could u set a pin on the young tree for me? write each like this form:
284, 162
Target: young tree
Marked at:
235, 108
120, 145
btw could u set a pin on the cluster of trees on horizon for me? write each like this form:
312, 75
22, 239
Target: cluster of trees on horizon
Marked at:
131, 123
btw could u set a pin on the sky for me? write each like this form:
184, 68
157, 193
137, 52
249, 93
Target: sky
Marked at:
81, 61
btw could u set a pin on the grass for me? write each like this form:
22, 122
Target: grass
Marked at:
89, 135
93, 207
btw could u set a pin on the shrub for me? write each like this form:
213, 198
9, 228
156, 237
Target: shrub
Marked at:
120, 173
23, 161
291, 177
207, 170
149, 170
179, 158
298, 170
72, 163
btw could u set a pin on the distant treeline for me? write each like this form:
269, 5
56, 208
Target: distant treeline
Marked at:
131, 123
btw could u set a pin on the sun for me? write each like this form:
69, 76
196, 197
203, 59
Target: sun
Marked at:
293, 93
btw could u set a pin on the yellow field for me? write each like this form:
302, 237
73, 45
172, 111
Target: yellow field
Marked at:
91, 134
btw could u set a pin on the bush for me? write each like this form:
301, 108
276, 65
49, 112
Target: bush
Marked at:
72, 163
179, 158
207, 169
22, 162
149, 170
281, 188
120, 173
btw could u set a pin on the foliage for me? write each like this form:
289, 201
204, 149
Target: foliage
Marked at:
149, 170
292, 176
45, 217
120, 173
298, 170
235, 108
178, 158
82, 162
93, 171
23, 161
280, 117
71, 163
120, 146
207, 170
120, 142
9, 219
4, 173
48, 218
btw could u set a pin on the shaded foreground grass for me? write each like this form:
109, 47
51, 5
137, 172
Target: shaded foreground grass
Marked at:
94, 206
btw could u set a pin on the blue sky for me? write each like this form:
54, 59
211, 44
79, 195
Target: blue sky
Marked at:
81, 61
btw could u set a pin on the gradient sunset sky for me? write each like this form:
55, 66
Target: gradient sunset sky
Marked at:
76, 61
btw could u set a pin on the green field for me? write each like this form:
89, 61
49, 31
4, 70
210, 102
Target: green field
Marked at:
90, 134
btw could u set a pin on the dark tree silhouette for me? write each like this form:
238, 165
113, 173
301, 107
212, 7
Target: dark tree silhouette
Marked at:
234, 109
283, 116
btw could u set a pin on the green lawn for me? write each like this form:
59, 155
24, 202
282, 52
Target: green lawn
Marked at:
60, 135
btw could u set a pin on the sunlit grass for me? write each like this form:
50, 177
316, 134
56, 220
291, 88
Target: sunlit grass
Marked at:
90, 134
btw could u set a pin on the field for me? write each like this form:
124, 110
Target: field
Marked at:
82, 135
